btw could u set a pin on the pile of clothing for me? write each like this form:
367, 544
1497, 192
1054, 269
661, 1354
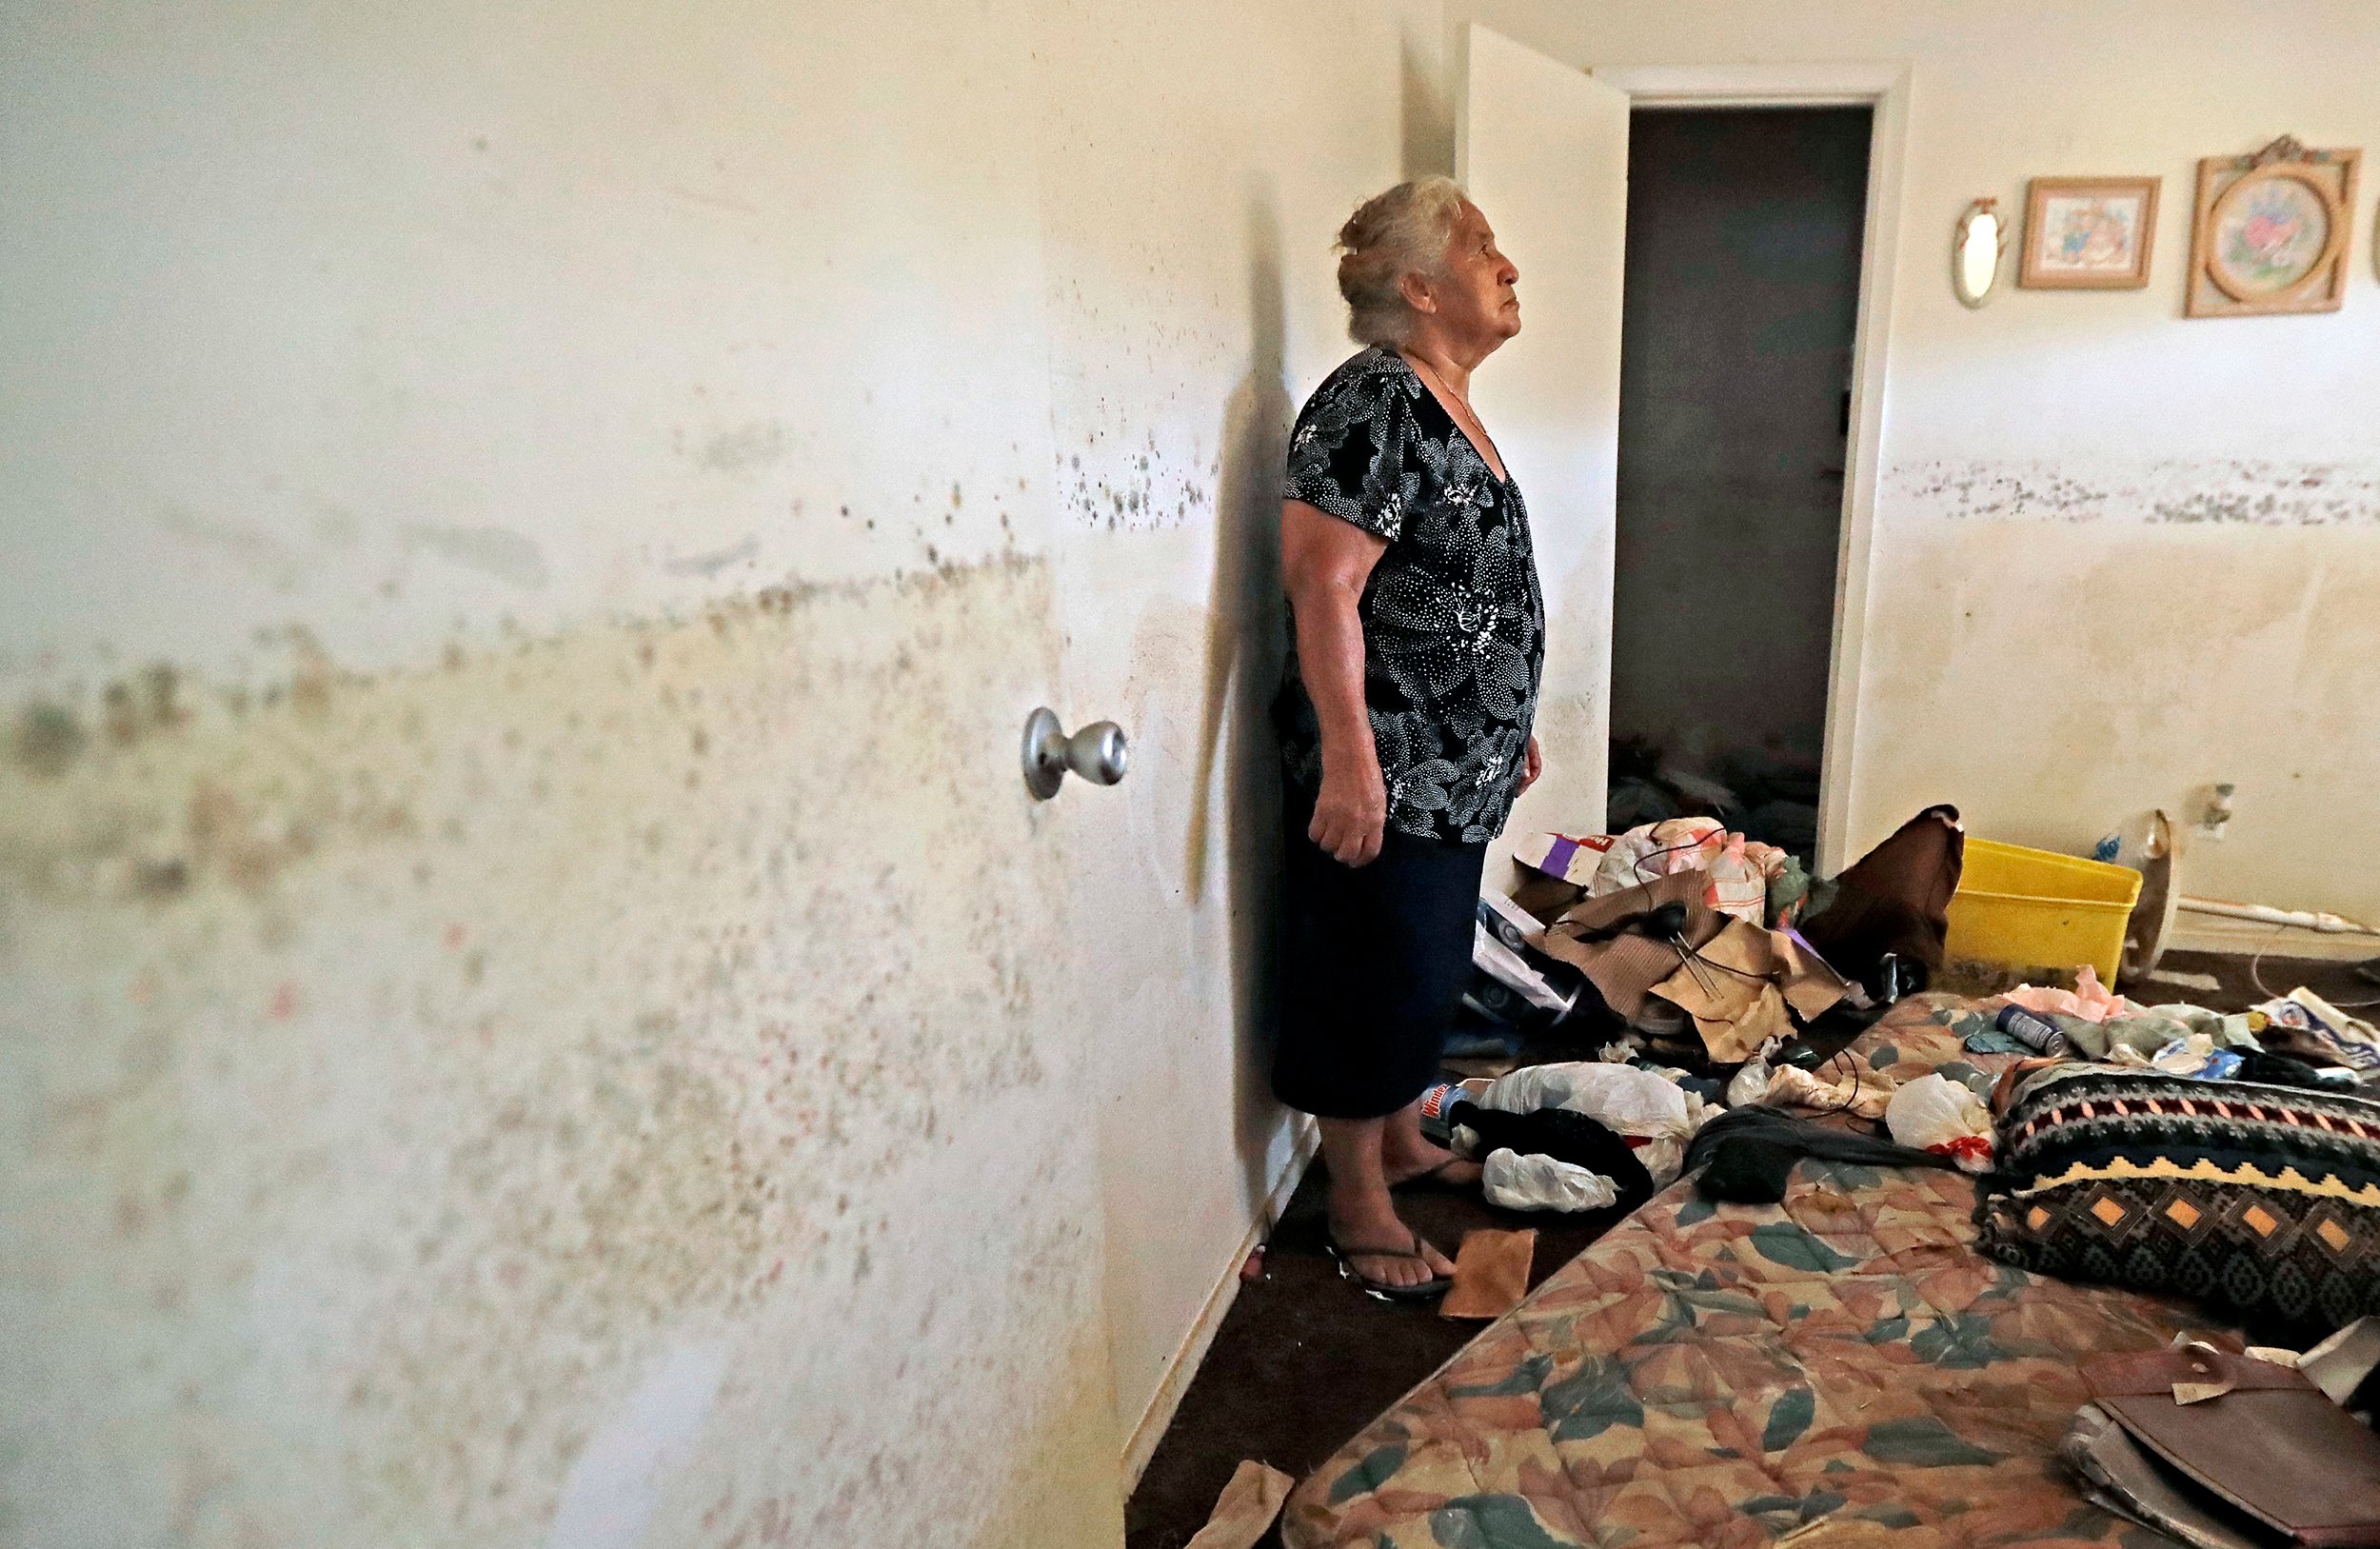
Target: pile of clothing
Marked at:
2295, 1040
1691, 956
2229, 1158
1752, 882
1704, 944
1576, 1135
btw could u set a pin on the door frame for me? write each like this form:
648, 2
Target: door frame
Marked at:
1883, 87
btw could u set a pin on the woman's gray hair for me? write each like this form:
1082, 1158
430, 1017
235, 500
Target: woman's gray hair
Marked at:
1403, 232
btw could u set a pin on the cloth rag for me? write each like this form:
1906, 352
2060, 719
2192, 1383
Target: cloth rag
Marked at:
1747, 1154
1490, 1274
1245, 1509
2089, 999
1789, 1086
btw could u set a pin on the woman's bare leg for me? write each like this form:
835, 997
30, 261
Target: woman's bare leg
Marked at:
1405, 1156
1363, 1215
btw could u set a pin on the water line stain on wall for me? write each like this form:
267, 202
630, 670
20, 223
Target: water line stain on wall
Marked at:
2218, 491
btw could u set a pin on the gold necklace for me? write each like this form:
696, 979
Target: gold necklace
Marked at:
1466, 421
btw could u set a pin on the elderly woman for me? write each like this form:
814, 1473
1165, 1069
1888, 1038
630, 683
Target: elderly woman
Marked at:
1418, 637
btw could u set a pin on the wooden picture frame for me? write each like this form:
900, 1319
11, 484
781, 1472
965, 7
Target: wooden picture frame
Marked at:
2089, 233
2272, 231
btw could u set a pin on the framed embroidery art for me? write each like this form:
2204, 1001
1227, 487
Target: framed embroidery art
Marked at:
2272, 231
2088, 233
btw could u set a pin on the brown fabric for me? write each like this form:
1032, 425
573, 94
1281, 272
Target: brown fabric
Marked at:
1625, 967
2269, 1443
1245, 1509
1895, 898
1490, 1274
1736, 1014
1544, 897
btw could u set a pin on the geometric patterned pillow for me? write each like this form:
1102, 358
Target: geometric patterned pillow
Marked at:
2262, 1199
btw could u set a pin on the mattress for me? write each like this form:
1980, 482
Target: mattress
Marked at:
1838, 1368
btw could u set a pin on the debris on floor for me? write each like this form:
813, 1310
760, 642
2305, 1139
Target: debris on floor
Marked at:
1535, 1181
1490, 1274
1302, 1364
1244, 1512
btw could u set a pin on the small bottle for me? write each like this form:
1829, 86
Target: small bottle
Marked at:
1435, 1102
2036, 1033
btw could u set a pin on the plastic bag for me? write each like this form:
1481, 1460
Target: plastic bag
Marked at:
2089, 999
1659, 849
1751, 1081
1793, 1087
1622, 1099
1739, 886
1512, 1181
1934, 1113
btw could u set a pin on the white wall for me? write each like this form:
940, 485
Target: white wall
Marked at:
532, 1014
1196, 163
536, 1008
2120, 554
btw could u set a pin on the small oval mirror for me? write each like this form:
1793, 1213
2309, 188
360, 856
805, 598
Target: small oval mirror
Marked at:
1975, 254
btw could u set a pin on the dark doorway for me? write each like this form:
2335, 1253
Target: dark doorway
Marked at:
1743, 295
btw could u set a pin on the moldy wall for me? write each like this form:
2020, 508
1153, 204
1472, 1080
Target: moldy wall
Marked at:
498, 1103
537, 1007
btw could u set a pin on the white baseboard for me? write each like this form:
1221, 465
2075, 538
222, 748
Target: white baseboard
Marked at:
2245, 938
1179, 1371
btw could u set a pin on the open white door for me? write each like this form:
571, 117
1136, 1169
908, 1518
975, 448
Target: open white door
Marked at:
1543, 149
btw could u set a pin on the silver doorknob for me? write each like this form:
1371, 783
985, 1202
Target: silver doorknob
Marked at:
1098, 753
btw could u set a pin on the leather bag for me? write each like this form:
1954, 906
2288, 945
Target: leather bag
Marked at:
2258, 1437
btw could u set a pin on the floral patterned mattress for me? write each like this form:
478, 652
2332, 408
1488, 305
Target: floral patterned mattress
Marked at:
1843, 1368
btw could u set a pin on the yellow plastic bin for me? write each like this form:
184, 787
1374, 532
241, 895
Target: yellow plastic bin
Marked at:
2034, 909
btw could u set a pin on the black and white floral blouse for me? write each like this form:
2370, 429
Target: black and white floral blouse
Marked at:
1454, 625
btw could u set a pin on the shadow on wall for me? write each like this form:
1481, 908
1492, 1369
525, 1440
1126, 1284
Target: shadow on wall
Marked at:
1244, 658
1426, 127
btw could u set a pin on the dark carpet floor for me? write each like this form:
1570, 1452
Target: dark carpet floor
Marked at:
1304, 1360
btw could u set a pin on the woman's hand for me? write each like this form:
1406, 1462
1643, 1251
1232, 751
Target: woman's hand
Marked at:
1351, 813
1531, 765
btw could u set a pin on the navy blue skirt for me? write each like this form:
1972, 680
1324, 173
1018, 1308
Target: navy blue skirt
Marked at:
1374, 960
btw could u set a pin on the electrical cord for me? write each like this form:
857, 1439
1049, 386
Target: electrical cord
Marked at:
1842, 1056
1696, 954
2262, 989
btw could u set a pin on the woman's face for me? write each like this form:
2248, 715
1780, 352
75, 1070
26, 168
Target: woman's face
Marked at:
1475, 301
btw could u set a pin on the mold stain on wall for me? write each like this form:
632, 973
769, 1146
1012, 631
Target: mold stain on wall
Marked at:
2217, 491
400, 1070
2053, 680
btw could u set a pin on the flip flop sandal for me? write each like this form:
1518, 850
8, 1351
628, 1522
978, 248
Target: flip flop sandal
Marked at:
1429, 1290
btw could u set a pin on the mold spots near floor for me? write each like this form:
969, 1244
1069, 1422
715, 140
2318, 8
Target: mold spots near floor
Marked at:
412, 1064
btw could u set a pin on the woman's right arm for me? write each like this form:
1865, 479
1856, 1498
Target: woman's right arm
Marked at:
1326, 563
